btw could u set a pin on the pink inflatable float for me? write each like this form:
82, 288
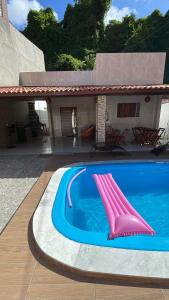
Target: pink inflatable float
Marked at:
123, 219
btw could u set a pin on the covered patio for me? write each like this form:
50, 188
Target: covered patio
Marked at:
108, 108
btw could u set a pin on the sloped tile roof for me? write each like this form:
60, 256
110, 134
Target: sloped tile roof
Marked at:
51, 91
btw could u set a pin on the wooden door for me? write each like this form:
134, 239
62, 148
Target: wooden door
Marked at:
68, 121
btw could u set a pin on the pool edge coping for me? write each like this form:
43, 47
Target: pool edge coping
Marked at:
90, 258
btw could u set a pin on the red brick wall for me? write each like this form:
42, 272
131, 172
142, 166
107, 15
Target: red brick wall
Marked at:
4, 9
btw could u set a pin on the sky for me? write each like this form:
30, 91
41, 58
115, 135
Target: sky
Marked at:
18, 9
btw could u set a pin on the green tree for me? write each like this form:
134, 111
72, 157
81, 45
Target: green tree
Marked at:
117, 33
147, 35
65, 62
83, 25
151, 35
44, 31
89, 59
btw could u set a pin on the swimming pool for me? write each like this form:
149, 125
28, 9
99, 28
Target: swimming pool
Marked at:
144, 184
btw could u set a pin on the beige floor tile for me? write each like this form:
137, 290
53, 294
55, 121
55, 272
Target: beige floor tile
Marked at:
13, 292
64, 291
166, 293
21, 217
18, 224
29, 204
28, 211
15, 254
33, 198
15, 237
16, 273
62, 298
112, 290
42, 274
152, 296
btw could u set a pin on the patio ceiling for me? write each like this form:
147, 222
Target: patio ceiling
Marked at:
90, 90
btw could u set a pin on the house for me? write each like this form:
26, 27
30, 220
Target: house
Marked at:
114, 92
124, 90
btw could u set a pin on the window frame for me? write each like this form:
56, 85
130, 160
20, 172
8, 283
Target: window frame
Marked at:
121, 114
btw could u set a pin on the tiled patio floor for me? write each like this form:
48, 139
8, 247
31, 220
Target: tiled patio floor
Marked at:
59, 146
25, 274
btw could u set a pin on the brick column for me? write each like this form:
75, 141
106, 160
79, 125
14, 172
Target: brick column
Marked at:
3, 9
100, 119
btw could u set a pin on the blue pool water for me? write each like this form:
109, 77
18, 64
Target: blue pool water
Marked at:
145, 185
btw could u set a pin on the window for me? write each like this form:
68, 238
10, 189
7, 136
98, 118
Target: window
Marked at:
128, 110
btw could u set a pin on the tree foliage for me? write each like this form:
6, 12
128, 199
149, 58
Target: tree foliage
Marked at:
66, 62
117, 33
73, 43
44, 31
83, 25
151, 35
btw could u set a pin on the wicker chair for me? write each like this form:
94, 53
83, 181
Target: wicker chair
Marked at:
88, 133
117, 138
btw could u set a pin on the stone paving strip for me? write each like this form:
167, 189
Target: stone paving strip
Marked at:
17, 176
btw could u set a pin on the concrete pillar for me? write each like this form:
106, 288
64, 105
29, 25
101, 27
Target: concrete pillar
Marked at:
101, 119
50, 117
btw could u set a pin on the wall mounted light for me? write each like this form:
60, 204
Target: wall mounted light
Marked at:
147, 99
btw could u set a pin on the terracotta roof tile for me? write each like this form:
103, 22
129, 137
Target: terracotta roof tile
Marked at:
47, 91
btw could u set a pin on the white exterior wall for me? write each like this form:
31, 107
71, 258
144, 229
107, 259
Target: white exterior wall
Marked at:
57, 78
86, 112
111, 69
149, 113
17, 54
164, 118
130, 68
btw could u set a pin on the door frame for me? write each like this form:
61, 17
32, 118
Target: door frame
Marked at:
75, 120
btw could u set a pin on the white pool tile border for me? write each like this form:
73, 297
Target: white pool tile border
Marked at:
90, 258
